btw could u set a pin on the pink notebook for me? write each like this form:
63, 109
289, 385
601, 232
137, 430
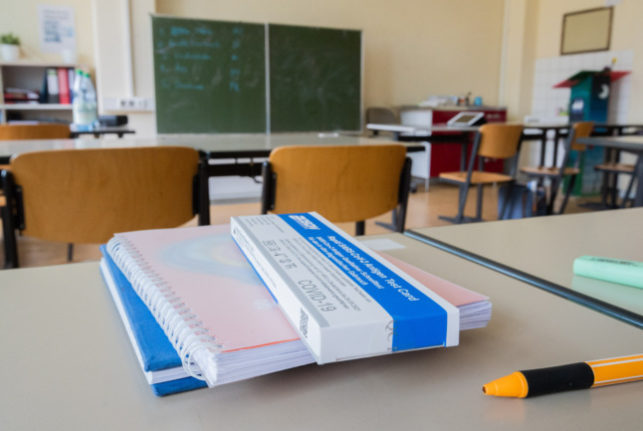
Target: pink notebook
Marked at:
456, 295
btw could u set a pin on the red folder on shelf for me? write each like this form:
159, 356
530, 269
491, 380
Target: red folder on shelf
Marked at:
63, 86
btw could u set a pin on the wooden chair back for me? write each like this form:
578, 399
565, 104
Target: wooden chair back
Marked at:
499, 141
342, 183
34, 131
582, 129
85, 196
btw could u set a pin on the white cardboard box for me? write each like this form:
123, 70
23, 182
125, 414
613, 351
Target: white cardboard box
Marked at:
344, 300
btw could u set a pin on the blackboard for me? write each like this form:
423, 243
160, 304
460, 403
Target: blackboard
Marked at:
315, 79
209, 76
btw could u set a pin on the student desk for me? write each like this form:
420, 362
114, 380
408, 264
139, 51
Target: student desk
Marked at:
67, 364
460, 135
101, 131
541, 251
533, 132
223, 155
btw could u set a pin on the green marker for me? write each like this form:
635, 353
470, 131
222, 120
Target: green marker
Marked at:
628, 272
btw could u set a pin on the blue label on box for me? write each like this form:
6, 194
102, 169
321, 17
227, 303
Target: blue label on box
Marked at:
418, 320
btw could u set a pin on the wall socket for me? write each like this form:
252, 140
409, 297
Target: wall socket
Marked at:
128, 104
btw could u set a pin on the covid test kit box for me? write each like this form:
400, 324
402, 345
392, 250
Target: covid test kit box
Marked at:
344, 300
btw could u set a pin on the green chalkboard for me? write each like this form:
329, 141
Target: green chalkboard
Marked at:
209, 76
315, 78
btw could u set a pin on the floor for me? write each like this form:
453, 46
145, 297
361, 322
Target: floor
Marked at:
423, 210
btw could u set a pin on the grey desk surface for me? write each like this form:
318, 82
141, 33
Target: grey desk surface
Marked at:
420, 131
546, 247
625, 143
66, 364
234, 145
530, 128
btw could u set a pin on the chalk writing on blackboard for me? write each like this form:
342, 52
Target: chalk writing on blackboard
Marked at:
209, 76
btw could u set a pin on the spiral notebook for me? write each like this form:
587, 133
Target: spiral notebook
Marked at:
202, 269
161, 365
209, 303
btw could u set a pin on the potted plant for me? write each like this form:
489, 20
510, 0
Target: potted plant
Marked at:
10, 45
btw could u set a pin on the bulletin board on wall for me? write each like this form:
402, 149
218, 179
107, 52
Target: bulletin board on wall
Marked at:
234, 77
586, 31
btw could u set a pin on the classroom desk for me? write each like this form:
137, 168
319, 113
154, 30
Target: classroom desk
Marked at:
102, 131
533, 131
403, 132
228, 146
435, 134
541, 251
67, 364
227, 154
630, 144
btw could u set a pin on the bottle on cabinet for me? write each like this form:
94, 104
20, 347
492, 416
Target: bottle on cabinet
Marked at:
84, 107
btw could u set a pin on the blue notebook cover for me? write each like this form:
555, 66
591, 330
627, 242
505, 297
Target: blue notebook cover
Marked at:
156, 351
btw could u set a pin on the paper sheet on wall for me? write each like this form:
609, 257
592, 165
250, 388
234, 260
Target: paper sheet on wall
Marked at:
57, 29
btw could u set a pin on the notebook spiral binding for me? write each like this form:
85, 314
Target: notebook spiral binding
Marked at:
182, 327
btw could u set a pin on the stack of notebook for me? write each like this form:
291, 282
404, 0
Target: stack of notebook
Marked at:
192, 306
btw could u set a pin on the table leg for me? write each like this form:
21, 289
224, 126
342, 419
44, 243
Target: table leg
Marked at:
638, 198
204, 192
543, 147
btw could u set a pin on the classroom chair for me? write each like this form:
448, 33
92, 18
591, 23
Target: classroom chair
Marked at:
344, 183
556, 174
29, 131
85, 196
34, 131
492, 141
612, 170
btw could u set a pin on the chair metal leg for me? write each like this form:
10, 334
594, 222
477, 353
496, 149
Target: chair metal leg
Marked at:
360, 228
552, 197
203, 191
463, 192
479, 203
605, 189
398, 217
70, 252
568, 192
9, 239
626, 198
503, 208
613, 191
9, 222
400, 222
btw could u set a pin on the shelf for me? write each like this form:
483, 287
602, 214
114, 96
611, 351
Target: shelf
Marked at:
35, 107
36, 63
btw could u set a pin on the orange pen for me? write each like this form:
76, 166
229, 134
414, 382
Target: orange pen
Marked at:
580, 375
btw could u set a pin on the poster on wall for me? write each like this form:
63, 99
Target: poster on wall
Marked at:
57, 30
